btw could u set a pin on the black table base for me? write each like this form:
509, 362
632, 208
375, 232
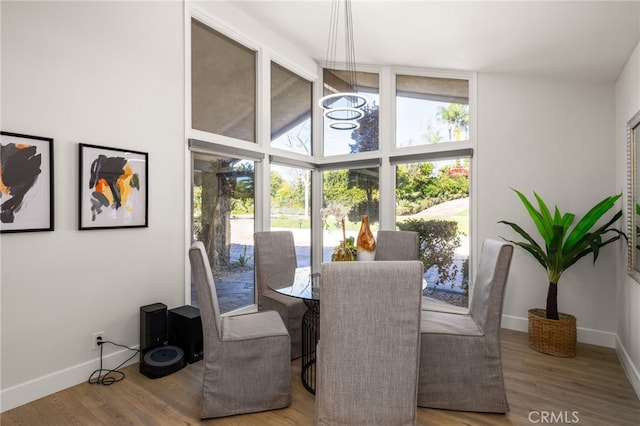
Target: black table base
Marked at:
310, 334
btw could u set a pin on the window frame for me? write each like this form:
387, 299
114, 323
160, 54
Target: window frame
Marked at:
383, 157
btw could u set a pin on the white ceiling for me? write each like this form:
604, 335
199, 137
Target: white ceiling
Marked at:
566, 39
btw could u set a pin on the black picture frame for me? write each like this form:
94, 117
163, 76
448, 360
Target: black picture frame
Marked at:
26, 183
113, 188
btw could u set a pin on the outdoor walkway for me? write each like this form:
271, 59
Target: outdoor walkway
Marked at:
236, 290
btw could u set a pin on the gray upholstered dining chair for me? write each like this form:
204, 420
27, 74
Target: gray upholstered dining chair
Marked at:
397, 245
460, 359
367, 358
275, 262
247, 367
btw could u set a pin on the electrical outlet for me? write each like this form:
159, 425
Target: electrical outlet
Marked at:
94, 341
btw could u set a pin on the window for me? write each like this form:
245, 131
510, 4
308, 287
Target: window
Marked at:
365, 138
290, 111
291, 207
223, 219
348, 193
223, 84
432, 198
421, 166
431, 110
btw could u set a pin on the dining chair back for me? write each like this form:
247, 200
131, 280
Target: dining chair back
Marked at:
247, 365
275, 262
397, 245
367, 358
460, 360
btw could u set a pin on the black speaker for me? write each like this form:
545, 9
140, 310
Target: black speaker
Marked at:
185, 331
153, 326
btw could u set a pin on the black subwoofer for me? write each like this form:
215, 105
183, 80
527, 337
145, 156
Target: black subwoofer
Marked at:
153, 325
185, 331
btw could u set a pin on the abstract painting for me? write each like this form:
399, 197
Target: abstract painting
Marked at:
26, 183
113, 188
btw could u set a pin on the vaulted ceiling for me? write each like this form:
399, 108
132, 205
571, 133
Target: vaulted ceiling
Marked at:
558, 39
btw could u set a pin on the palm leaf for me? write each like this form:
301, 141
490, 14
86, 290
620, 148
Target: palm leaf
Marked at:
545, 214
543, 228
534, 250
588, 237
533, 247
589, 219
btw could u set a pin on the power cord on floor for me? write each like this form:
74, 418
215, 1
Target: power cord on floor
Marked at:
110, 376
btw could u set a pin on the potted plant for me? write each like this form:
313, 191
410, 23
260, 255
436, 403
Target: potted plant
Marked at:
550, 331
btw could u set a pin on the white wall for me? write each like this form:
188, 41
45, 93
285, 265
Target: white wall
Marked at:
104, 73
628, 298
554, 137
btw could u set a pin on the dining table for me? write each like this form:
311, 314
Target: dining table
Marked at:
305, 284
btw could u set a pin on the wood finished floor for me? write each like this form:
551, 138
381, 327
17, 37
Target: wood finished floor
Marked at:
593, 385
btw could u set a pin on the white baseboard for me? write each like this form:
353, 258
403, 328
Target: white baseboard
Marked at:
23, 393
515, 323
585, 335
627, 365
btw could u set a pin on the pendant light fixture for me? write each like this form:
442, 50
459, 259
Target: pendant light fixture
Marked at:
342, 107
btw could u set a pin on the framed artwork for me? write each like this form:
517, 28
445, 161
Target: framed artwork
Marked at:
26, 183
113, 188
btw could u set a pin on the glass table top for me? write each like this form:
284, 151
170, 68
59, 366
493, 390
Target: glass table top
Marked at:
305, 285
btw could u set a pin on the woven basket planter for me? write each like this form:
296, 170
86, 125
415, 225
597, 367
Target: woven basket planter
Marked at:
552, 337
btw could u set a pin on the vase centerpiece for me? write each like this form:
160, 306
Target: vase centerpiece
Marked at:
552, 332
366, 242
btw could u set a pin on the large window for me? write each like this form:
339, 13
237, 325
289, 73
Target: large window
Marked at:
223, 200
432, 198
223, 84
432, 188
407, 166
290, 111
431, 110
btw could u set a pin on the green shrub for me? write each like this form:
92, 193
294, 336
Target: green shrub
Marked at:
438, 240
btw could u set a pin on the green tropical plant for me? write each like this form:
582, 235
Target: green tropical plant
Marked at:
564, 246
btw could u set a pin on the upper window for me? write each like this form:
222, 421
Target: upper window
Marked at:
290, 111
223, 84
431, 110
365, 138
